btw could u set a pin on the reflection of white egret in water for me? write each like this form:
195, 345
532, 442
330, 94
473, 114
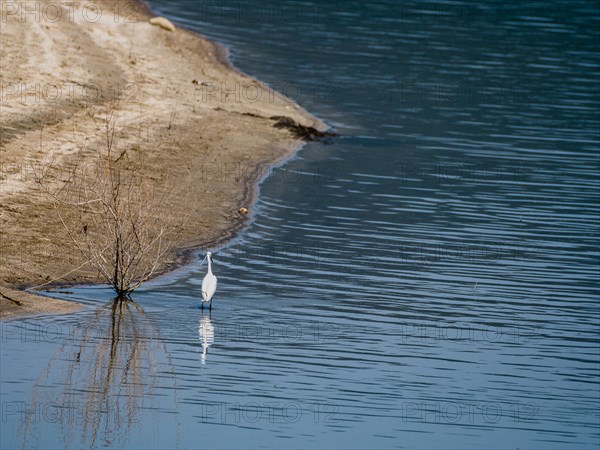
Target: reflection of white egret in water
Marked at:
206, 331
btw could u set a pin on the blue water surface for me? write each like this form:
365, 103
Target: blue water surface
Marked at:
428, 280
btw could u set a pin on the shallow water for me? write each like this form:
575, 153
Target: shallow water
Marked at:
430, 280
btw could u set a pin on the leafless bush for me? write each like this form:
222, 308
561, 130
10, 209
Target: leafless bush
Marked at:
113, 213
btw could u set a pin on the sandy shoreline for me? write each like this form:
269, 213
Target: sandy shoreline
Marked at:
179, 102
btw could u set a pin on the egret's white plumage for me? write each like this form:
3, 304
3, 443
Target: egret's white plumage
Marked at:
209, 284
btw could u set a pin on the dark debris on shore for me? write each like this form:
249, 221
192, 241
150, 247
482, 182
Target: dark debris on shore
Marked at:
301, 131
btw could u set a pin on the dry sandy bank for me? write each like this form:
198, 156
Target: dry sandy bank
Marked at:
178, 102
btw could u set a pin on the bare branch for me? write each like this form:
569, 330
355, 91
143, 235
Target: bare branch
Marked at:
112, 214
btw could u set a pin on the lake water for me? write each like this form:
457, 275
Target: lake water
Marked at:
429, 280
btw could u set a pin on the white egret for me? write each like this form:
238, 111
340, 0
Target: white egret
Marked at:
209, 284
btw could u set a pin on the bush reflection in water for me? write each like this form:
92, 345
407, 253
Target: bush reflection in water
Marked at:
98, 386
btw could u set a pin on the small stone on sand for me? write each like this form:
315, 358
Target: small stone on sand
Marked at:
163, 23
243, 211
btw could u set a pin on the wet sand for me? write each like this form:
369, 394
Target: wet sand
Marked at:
203, 128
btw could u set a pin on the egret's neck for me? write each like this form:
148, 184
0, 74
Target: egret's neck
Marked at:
209, 266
